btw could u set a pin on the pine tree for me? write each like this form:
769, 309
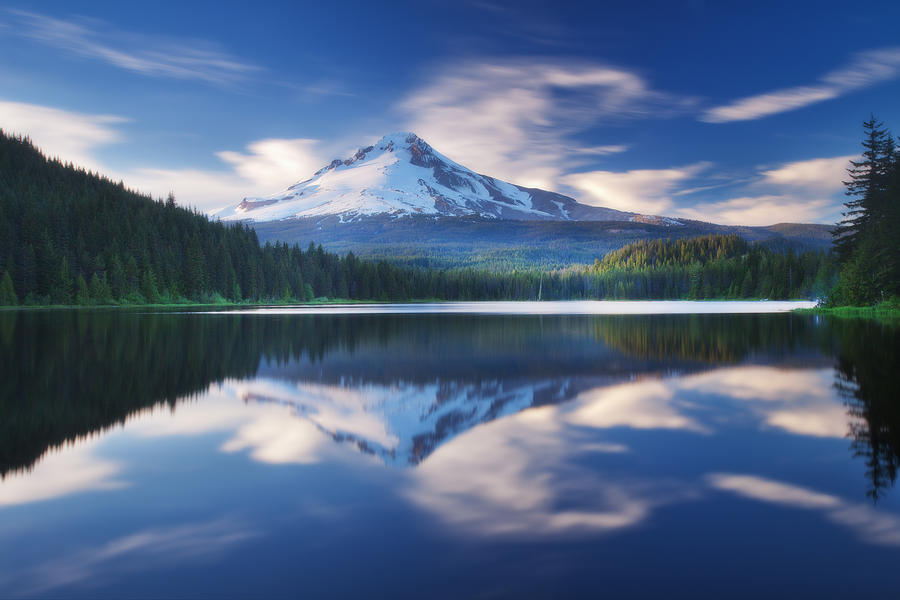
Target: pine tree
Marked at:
61, 292
867, 180
149, 287
82, 294
866, 239
7, 292
99, 289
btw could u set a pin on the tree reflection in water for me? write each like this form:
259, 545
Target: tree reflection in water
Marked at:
71, 374
867, 374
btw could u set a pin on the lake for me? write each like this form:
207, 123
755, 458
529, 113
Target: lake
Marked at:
448, 451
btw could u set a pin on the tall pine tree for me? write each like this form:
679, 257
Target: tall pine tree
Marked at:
866, 241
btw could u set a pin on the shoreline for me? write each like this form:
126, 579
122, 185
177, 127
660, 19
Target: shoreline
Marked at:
341, 302
889, 314
875, 313
496, 307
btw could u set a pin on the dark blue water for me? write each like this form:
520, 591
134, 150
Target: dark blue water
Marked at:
447, 456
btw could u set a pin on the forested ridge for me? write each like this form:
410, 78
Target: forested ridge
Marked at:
68, 236
712, 266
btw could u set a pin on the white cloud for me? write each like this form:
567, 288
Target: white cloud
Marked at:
71, 136
267, 165
767, 104
803, 191
275, 162
800, 191
759, 210
511, 119
601, 150
148, 55
866, 68
818, 174
647, 191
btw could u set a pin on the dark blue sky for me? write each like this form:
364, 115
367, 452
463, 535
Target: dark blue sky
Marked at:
731, 112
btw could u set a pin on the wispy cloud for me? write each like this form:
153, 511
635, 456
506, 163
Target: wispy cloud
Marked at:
601, 150
818, 174
148, 55
866, 68
71, 136
267, 166
513, 119
647, 191
766, 209
804, 191
275, 162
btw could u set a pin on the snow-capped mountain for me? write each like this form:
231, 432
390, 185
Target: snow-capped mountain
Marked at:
402, 175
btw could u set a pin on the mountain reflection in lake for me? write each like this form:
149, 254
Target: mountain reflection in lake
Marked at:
397, 455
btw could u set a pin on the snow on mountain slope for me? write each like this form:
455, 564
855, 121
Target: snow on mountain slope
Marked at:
402, 175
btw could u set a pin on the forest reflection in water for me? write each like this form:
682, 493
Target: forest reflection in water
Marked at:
400, 386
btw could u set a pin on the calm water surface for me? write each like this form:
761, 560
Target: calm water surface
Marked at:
462, 453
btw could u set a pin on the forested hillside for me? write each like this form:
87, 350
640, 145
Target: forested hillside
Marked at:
713, 266
72, 237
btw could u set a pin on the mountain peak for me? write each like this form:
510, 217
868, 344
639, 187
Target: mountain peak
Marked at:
402, 175
399, 137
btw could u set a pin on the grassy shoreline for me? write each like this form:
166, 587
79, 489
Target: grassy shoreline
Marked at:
880, 312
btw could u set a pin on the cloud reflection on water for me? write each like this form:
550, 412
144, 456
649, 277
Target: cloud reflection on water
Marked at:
152, 547
520, 474
513, 475
862, 519
799, 401
69, 470
649, 404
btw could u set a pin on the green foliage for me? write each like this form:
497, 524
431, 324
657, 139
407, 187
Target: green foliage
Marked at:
7, 292
149, 287
711, 266
866, 240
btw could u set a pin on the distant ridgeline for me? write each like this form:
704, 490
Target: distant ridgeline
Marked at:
68, 236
